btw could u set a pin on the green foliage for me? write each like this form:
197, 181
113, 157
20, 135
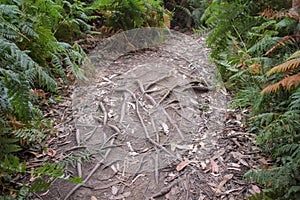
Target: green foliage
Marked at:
247, 47
129, 14
193, 9
33, 56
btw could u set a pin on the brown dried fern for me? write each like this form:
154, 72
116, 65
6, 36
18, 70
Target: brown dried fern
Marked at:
288, 65
287, 83
283, 42
274, 14
292, 63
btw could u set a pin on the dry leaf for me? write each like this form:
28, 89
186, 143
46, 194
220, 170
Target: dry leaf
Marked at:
219, 154
165, 127
114, 190
51, 152
93, 198
182, 165
233, 190
222, 183
244, 162
255, 189
214, 166
263, 161
234, 165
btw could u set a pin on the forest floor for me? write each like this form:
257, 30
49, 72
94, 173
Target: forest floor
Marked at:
151, 123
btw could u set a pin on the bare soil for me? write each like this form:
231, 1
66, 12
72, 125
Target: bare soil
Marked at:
144, 140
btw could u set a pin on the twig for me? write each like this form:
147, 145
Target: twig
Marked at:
156, 173
147, 133
77, 135
115, 128
165, 190
160, 79
107, 185
75, 148
90, 134
79, 169
149, 97
174, 124
104, 113
91, 173
123, 108
166, 95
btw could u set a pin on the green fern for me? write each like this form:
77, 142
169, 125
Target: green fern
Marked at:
32, 57
29, 135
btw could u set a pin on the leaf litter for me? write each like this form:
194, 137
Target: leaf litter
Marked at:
226, 152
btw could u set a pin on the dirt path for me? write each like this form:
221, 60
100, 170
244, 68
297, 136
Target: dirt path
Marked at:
154, 118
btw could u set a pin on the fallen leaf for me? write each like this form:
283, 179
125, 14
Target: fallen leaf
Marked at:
214, 166
219, 153
182, 147
165, 127
255, 189
237, 155
51, 152
234, 165
223, 182
263, 161
93, 198
203, 165
114, 190
182, 165
244, 162
233, 190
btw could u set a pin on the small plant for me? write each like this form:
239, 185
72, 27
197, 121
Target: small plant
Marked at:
129, 14
257, 52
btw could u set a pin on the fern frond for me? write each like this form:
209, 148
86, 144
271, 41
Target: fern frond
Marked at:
29, 135
294, 55
274, 14
286, 83
288, 65
295, 100
286, 39
45, 80
290, 149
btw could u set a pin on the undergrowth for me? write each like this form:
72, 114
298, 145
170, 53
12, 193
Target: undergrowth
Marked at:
38, 56
256, 47
33, 58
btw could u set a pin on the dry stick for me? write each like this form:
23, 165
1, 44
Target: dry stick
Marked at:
166, 95
123, 108
77, 137
90, 134
172, 122
158, 80
76, 148
152, 121
156, 173
149, 97
115, 128
104, 113
78, 164
166, 189
91, 173
147, 133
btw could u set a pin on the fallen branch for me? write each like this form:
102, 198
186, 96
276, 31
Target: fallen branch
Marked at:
104, 113
91, 173
165, 190
148, 136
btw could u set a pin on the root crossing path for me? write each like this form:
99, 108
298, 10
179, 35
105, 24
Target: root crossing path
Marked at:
152, 117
